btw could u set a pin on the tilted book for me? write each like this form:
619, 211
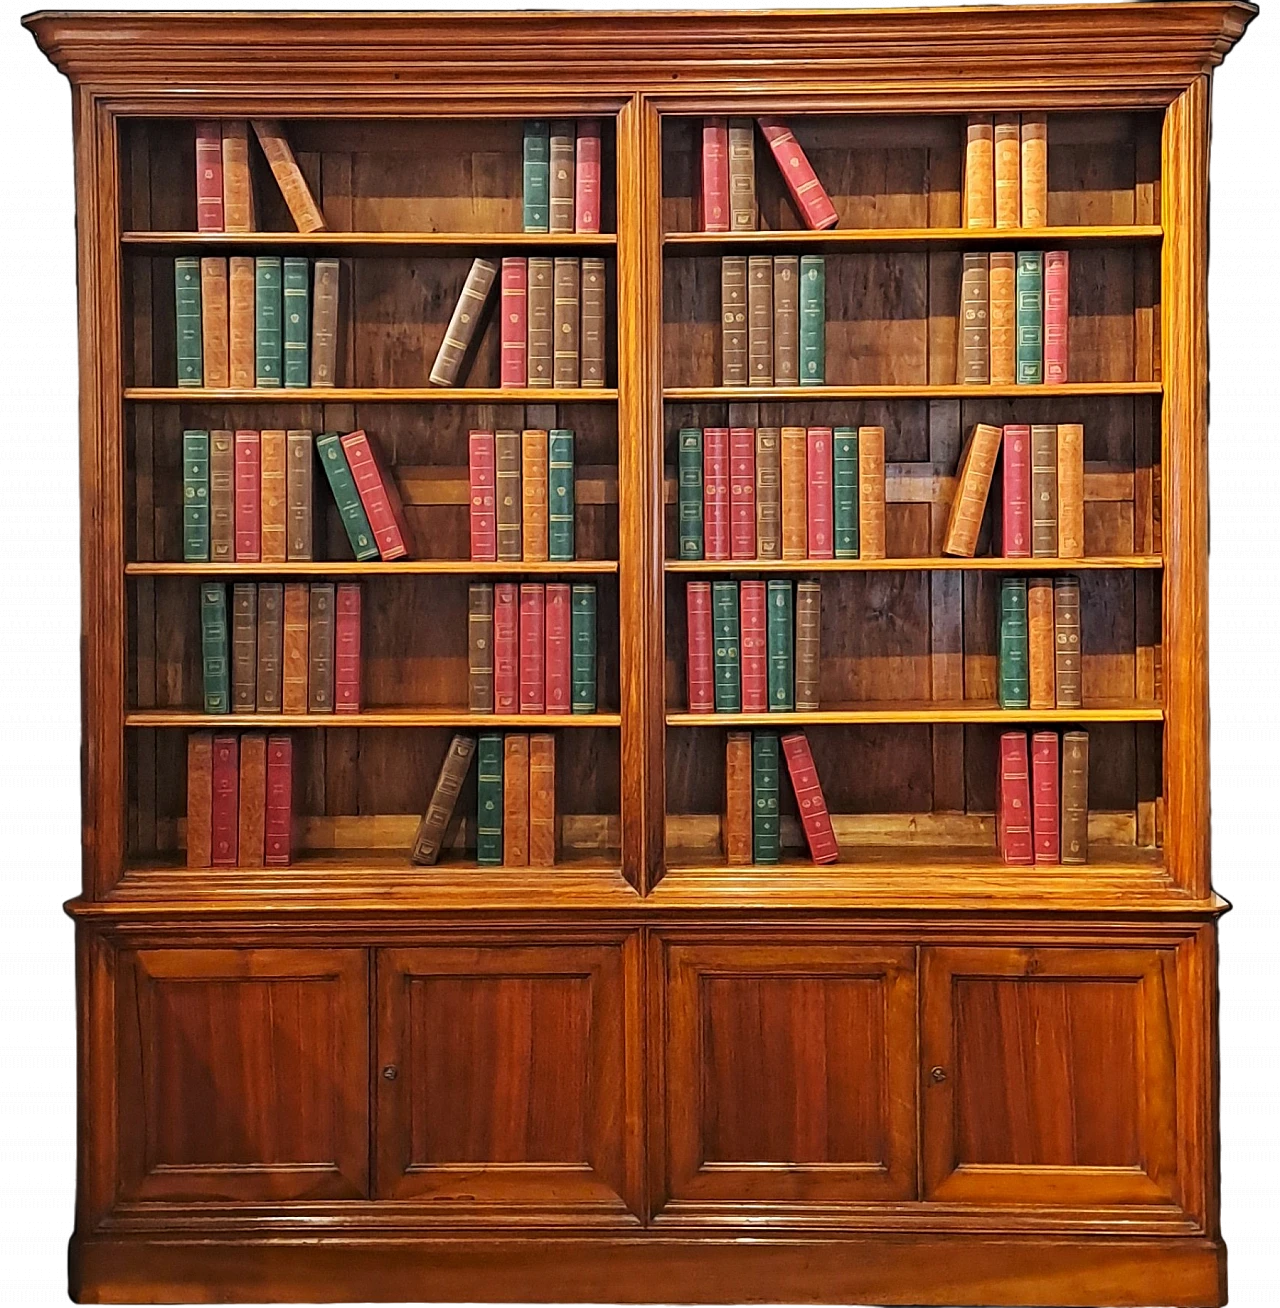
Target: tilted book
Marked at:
337, 472
464, 323
284, 168
972, 486
442, 816
812, 806
811, 199
375, 483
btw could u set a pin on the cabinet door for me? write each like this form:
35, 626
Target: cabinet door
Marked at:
789, 1073
1048, 1076
243, 1074
507, 1075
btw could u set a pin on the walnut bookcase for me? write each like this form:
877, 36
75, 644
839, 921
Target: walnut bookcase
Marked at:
914, 1076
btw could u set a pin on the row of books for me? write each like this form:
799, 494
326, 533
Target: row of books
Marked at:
1006, 170
1040, 643
1041, 507
781, 493
239, 799
281, 647
1042, 798
562, 188
773, 320
531, 647
522, 495
1014, 318
752, 827
224, 176
249, 321
754, 646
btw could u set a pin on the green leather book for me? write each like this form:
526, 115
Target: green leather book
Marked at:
186, 285
333, 460
215, 648
1015, 677
725, 642
297, 322
813, 320
489, 800
582, 646
537, 175
1029, 290
690, 492
766, 821
844, 490
268, 332
560, 546
195, 496
780, 645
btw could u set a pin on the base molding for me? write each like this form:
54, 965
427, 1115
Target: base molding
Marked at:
869, 1269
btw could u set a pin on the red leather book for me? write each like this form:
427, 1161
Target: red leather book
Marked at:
1044, 796
586, 177
818, 461
1015, 515
346, 649
209, 216
1056, 275
248, 452
279, 801
378, 494
484, 504
715, 174
810, 196
506, 648
753, 648
226, 800
702, 673
814, 817
514, 335
559, 678
533, 647
715, 492
1013, 800
742, 492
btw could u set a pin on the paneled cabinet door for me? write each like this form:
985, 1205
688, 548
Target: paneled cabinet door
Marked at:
789, 1073
1049, 1076
507, 1076
243, 1074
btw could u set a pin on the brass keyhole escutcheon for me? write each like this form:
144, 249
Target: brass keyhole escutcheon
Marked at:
390, 1072
939, 1074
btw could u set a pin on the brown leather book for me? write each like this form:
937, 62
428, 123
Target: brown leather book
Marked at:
1008, 148
733, 320
270, 646
244, 647
742, 175
222, 496
465, 322
480, 647
975, 330
237, 179
1002, 317
760, 319
506, 446
441, 817
542, 800
1070, 490
533, 496
297, 608
871, 537
515, 799
1066, 635
251, 847
593, 322
737, 798
324, 322
1041, 656
768, 493
1035, 170
1044, 491
565, 321
274, 542
808, 666
320, 649
300, 493
979, 171
242, 364
972, 486
284, 168
1075, 797
214, 324
200, 799
795, 493
563, 140
786, 320
540, 306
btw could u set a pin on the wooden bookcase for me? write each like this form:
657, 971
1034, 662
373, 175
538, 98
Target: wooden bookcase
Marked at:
914, 1076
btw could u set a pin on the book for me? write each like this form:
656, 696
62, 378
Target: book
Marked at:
810, 197
270, 646
808, 655
346, 647
768, 461
1068, 677
284, 168
251, 839
566, 309
441, 815
766, 822
187, 323
226, 800
1056, 316
560, 495
320, 648
786, 320
244, 647
248, 501
209, 176
734, 334
844, 492
760, 320
200, 799
324, 322
725, 646
237, 176
195, 496
737, 798
1074, 844
515, 766
689, 492
754, 675
297, 321
540, 306
563, 137
1070, 490
701, 677
779, 635
214, 648
1040, 643
279, 818
715, 491
1044, 797
742, 175
533, 643
812, 806
559, 660
222, 496
1044, 491
273, 473
464, 323
533, 495
506, 647
297, 608
1035, 170
268, 299
975, 333
979, 171
1007, 150
1014, 689
1015, 503
376, 486
820, 538
1029, 311
242, 356
537, 175
715, 175
591, 336
514, 333
586, 177
489, 800
507, 446
214, 323
1002, 329
793, 460
542, 798
742, 492
483, 506
813, 320
871, 525
480, 647
300, 480
337, 472
1013, 801
582, 633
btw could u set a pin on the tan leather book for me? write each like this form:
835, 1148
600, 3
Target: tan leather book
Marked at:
242, 364
540, 304
768, 493
808, 666
320, 648
222, 492
275, 498
515, 799
786, 320
795, 493
300, 481
297, 608
270, 646
1044, 491
1068, 679
506, 445
975, 321
1070, 490
542, 800
252, 845
284, 168
533, 495
593, 322
760, 319
237, 178
742, 175
324, 322
1008, 150
441, 817
214, 324
972, 486
1002, 323
244, 647
733, 320
1035, 170
1041, 656
566, 312
468, 313
1075, 797
200, 799
871, 537
979, 171
737, 798
480, 647
563, 142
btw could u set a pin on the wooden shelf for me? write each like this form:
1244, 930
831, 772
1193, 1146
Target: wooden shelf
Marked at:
370, 242
371, 395
1106, 563
760, 394
389, 717
937, 712
886, 237
352, 568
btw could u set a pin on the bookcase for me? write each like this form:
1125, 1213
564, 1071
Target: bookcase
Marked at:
918, 1074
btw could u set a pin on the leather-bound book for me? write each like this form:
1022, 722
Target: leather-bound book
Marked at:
275, 496
715, 491
507, 456
1029, 312
506, 647
813, 320
242, 358
376, 485
742, 492
284, 168
441, 815
566, 322
559, 662
1040, 643
1056, 319
786, 319
1070, 490
244, 647
187, 321
582, 641
1015, 504
195, 496
820, 533
209, 176
279, 823
324, 323
533, 647
563, 143
268, 325
1007, 135
979, 171
1075, 797
214, 323
871, 535
226, 801
768, 493
342, 484
464, 323
1044, 491
537, 175
248, 496
737, 798
1068, 678
297, 610
199, 798
252, 837
297, 322
533, 495
237, 177
542, 800
810, 197
515, 796
689, 492
975, 332
742, 175
760, 319
808, 664
973, 484
754, 648
701, 666
734, 331
484, 517
810, 802
795, 492
1035, 170
561, 496
766, 779
779, 635
715, 175
844, 492
222, 496
320, 648
270, 646
541, 316
1044, 797
480, 647
591, 339
726, 634
586, 177
300, 483
489, 800
514, 334
215, 645
1013, 801
1014, 687
1002, 318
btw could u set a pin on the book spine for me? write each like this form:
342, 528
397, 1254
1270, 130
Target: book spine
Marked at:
515, 776
297, 605
1007, 136
1029, 289
268, 275
974, 324
320, 649
1075, 797
195, 496
337, 472
560, 496
813, 320
559, 662
1044, 797
541, 317
871, 526
506, 648
489, 800
979, 171
766, 821
226, 800
786, 320
237, 178
244, 647
537, 175
844, 492
297, 322
582, 633
1002, 318
566, 322
810, 197
1056, 308
346, 648
542, 797
733, 320
1013, 800
780, 626
187, 323
812, 806
484, 519
808, 656
742, 492
214, 321
284, 167
209, 212
586, 177
248, 496
755, 657
480, 637
251, 841
270, 646
1040, 643
1044, 491
1070, 490
1015, 516
793, 459
1068, 677
820, 532
563, 142
242, 359
715, 175
324, 323
737, 798
591, 339
514, 334
275, 497
464, 322
300, 482
760, 319
742, 175
533, 644
726, 635
533, 494
222, 496
506, 446
279, 820
768, 493
213, 648
715, 489
972, 486
689, 492
429, 839
701, 669
200, 799
377, 490
1035, 170
1014, 685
